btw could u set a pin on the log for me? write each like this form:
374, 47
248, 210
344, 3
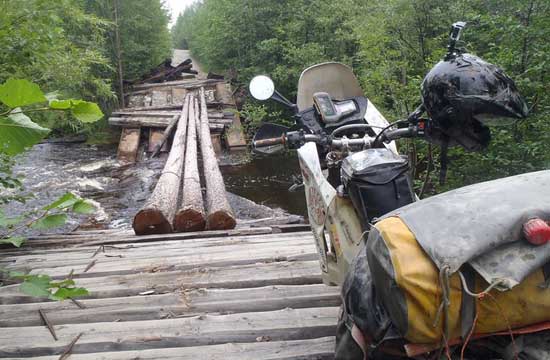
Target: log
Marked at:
165, 135
155, 139
168, 114
157, 215
191, 215
220, 216
163, 122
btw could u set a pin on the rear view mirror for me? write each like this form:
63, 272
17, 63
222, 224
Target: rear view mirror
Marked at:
261, 87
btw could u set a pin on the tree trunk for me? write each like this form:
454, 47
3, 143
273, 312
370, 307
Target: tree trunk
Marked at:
191, 215
157, 215
220, 216
118, 50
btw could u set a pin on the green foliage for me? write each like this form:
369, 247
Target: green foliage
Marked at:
391, 44
20, 92
43, 286
18, 131
50, 216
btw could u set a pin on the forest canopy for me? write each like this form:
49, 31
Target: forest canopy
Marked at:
69, 46
390, 44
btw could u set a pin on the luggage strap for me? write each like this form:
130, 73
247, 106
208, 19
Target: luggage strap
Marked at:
468, 304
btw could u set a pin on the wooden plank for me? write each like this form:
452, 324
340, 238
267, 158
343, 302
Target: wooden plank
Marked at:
180, 260
217, 143
167, 114
234, 134
231, 277
156, 122
55, 241
189, 302
120, 256
157, 215
163, 138
128, 145
281, 325
310, 349
27, 257
156, 137
185, 80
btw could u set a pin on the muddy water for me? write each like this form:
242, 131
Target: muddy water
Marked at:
50, 170
265, 180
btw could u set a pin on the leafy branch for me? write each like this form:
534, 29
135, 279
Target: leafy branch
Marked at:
17, 133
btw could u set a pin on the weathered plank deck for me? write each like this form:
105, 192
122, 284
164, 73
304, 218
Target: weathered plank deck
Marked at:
239, 294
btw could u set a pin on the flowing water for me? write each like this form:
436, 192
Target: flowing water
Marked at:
92, 171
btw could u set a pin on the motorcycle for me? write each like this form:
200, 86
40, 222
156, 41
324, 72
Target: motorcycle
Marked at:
354, 177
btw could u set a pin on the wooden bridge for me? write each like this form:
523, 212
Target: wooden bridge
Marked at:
248, 293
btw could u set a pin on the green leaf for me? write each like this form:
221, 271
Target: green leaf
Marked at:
20, 92
84, 207
36, 285
65, 201
50, 221
7, 222
18, 132
87, 111
16, 241
68, 293
61, 104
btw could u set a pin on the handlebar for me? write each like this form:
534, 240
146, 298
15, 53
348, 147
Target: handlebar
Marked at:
294, 139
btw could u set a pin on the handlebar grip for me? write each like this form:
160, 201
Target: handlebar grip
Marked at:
269, 142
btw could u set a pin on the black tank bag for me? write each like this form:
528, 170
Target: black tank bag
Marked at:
377, 181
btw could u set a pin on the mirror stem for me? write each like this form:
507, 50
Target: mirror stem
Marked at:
277, 96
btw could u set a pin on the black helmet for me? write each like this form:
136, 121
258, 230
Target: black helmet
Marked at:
462, 94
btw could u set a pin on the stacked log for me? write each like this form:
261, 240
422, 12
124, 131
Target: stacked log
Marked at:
220, 216
157, 216
191, 215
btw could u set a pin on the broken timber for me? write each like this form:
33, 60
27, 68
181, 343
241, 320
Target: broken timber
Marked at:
220, 216
164, 88
157, 215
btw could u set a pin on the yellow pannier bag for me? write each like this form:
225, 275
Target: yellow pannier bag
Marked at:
409, 286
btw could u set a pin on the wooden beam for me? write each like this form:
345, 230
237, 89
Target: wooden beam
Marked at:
191, 215
230, 277
220, 215
179, 304
165, 135
157, 215
157, 122
128, 145
309, 349
281, 325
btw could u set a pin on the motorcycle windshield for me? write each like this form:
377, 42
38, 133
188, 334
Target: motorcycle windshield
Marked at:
333, 78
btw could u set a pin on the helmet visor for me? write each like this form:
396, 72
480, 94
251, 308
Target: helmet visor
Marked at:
495, 119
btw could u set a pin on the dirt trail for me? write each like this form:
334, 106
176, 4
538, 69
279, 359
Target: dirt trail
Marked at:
181, 55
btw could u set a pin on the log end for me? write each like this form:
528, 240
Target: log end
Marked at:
187, 220
151, 221
221, 220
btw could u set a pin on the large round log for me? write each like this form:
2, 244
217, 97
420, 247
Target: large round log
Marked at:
191, 215
220, 216
157, 215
